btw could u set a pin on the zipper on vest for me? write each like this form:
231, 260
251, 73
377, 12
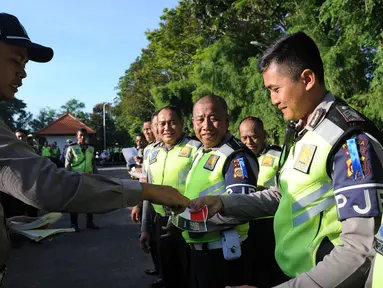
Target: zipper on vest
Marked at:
163, 170
319, 224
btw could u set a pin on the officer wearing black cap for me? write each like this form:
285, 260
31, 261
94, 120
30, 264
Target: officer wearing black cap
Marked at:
36, 180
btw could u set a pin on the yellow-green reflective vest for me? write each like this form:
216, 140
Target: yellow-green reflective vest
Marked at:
146, 155
46, 152
206, 178
116, 150
55, 152
307, 212
82, 162
170, 167
268, 168
377, 273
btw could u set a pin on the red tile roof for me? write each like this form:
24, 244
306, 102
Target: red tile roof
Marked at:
67, 124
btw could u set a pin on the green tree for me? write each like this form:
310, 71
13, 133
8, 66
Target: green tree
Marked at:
46, 116
14, 114
76, 108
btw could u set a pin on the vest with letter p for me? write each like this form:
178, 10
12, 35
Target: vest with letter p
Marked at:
82, 162
206, 178
171, 167
307, 213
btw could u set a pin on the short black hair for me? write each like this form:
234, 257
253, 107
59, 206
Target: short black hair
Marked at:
140, 134
172, 108
155, 113
296, 52
216, 98
82, 130
21, 131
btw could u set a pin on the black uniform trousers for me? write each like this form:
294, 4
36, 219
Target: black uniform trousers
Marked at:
74, 218
211, 270
173, 256
262, 269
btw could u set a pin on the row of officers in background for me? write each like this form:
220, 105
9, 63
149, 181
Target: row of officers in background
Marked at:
306, 215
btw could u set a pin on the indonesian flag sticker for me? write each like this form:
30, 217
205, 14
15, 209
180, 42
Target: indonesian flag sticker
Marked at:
193, 221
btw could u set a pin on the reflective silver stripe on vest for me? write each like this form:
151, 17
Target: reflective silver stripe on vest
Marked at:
273, 153
311, 197
220, 191
329, 131
182, 175
313, 211
194, 143
270, 182
212, 188
226, 150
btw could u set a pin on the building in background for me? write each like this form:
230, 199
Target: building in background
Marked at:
62, 129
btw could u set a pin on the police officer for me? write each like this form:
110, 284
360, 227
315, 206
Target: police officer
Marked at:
223, 165
263, 269
80, 158
36, 180
169, 164
147, 222
55, 153
46, 150
327, 204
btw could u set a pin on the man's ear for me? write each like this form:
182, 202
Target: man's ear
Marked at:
308, 78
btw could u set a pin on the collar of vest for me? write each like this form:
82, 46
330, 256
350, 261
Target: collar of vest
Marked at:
184, 140
271, 149
337, 122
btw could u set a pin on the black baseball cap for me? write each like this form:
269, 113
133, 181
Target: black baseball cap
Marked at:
12, 32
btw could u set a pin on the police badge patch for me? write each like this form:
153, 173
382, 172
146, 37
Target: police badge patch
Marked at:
267, 161
211, 162
349, 114
238, 173
185, 152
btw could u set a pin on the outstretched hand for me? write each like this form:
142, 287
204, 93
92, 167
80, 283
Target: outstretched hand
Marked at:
164, 195
213, 203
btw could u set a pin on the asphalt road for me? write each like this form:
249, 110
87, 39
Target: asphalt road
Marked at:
105, 258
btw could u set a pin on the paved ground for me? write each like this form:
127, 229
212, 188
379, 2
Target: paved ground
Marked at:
109, 257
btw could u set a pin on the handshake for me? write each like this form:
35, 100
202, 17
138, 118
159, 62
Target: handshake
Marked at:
170, 197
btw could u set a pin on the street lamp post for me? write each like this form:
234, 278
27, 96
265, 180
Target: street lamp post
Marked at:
103, 119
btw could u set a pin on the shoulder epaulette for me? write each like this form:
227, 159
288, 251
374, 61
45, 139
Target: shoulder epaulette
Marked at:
275, 147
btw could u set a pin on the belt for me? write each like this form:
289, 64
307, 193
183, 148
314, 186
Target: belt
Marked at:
212, 245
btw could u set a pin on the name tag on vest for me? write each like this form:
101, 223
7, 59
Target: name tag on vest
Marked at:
185, 152
211, 162
268, 161
305, 157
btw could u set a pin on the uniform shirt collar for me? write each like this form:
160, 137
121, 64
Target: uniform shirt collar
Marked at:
171, 147
318, 114
225, 139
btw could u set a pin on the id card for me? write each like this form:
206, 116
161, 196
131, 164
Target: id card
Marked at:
231, 246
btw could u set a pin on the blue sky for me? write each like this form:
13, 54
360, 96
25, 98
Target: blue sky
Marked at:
94, 43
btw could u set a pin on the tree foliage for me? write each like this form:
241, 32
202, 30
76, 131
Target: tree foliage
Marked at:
204, 46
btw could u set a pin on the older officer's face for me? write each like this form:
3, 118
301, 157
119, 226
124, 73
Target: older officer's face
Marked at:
252, 135
289, 96
12, 65
210, 122
170, 127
